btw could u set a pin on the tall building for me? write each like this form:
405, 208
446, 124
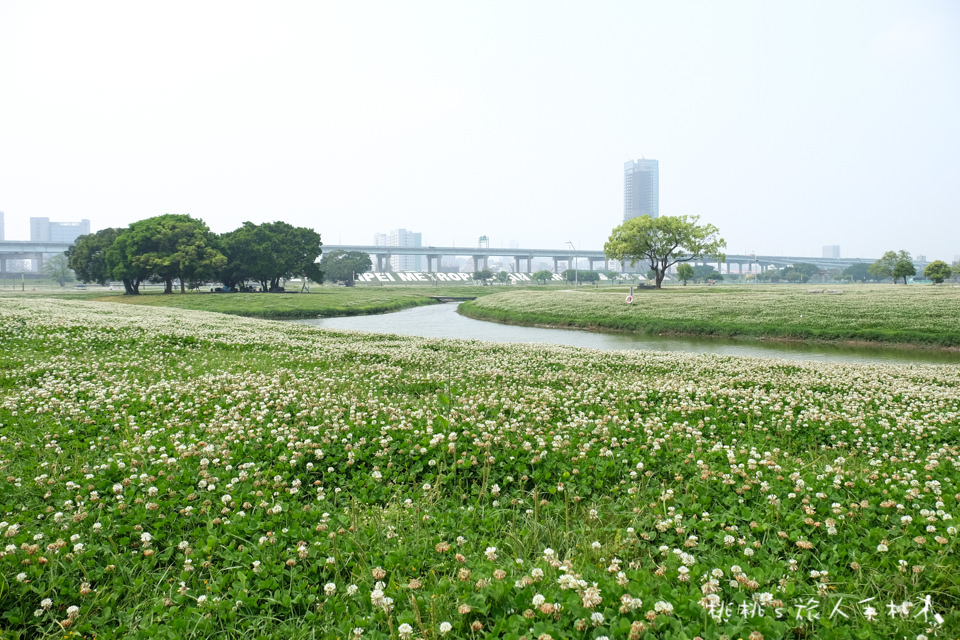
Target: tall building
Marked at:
42, 230
641, 188
831, 251
401, 238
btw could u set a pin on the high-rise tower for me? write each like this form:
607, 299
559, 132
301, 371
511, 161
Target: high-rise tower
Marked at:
641, 188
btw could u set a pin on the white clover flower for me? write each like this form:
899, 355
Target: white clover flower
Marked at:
405, 631
663, 607
445, 627
538, 600
330, 588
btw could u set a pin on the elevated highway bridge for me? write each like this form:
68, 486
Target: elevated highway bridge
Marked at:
36, 251
435, 255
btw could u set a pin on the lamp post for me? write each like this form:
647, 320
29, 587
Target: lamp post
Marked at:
576, 272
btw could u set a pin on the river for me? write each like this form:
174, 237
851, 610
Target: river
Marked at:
443, 321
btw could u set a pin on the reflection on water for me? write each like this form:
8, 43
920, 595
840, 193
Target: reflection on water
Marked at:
443, 321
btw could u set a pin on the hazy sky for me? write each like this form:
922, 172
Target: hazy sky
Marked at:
788, 125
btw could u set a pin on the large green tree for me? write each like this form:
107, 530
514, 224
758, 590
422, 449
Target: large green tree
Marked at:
885, 266
172, 247
270, 252
684, 273
87, 256
938, 271
344, 266
119, 258
902, 269
663, 242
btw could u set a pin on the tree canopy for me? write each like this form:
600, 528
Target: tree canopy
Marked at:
87, 256
344, 266
270, 252
684, 273
859, 272
893, 264
543, 275
663, 242
938, 271
483, 275
174, 247
581, 275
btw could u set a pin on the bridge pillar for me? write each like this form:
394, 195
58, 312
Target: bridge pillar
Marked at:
516, 264
555, 266
530, 264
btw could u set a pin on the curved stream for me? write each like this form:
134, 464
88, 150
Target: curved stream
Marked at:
443, 321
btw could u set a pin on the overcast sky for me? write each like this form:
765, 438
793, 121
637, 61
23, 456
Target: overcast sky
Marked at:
788, 125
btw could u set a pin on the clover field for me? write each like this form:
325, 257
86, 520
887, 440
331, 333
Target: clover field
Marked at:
178, 474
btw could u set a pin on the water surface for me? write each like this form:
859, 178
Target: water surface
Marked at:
443, 321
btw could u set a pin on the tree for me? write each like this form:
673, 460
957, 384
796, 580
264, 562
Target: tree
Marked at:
344, 265
705, 272
663, 242
885, 266
120, 264
938, 271
168, 247
543, 275
902, 269
684, 272
859, 272
269, 252
57, 270
87, 256
483, 275
502, 277
806, 270
579, 275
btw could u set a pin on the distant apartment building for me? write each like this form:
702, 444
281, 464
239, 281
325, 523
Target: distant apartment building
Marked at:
42, 230
831, 251
641, 188
401, 238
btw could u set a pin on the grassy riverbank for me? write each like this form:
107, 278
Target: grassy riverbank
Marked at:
177, 474
320, 302
915, 315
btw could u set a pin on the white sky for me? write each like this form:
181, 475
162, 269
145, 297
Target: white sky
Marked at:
788, 125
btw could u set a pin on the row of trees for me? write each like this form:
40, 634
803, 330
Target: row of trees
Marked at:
178, 247
899, 265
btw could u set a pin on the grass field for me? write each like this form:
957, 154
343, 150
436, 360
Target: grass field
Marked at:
919, 315
321, 301
176, 474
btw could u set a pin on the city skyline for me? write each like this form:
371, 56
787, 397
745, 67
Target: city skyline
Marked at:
788, 126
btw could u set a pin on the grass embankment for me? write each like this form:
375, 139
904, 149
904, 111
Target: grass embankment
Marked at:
915, 315
174, 474
320, 302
